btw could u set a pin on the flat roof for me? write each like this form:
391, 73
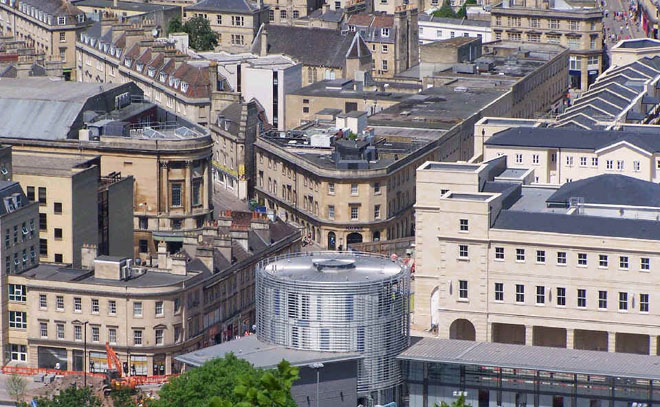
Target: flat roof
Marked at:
438, 107
53, 165
123, 5
262, 355
563, 360
333, 268
451, 166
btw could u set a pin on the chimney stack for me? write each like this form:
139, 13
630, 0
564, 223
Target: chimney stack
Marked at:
264, 42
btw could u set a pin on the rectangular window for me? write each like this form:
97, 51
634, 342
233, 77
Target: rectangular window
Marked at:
112, 307
137, 337
77, 304
95, 306
354, 189
561, 296
582, 259
569, 160
463, 289
520, 293
463, 251
59, 303
17, 292
602, 260
30, 191
137, 309
623, 262
57, 207
176, 194
499, 291
43, 329
197, 192
540, 295
143, 246
609, 164
499, 253
43, 301
159, 337
354, 213
60, 331
583, 161
535, 158
58, 233
520, 254
619, 165
112, 335
643, 303
636, 166
159, 308
645, 264
376, 188
540, 256
519, 158
77, 333
464, 225
42, 195
18, 352
43, 221
331, 211
96, 335
594, 161
602, 299
331, 188
17, 319
376, 211
581, 298
623, 301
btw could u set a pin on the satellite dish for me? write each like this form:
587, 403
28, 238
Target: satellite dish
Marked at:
154, 32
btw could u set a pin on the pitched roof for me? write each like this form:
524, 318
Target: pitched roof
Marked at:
311, 46
573, 138
599, 189
232, 6
55, 7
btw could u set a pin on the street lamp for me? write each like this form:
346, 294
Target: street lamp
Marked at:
84, 324
318, 366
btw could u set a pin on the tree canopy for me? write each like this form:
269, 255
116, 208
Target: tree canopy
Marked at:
228, 382
459, 402
445, 11
71, 396
200, 35
462, 12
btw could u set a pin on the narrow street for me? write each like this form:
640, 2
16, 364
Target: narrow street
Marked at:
622, 26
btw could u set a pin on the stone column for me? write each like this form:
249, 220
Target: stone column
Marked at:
206, 185
163, 204
187, 190
611, 341
570, 338
529, 335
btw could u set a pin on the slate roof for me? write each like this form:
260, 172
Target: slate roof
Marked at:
534, 357
423, 17
613, 95
572, 138
7, 190
312, 46
230, 6
640, 43
370, 26
577, 225
599, 189
55, 7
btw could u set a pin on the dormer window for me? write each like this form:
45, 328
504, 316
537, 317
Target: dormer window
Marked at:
92, 42
112, 50
128, 62
50, 20
176, 83
139, 67
184, 87
9, 204
61, 20
100, 47
385, 32
118, 53
105, 48
171, 81
151, 72
81, 18
162, 77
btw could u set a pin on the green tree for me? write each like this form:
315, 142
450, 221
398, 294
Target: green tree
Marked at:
72, 396
459, 402
217, 377
272, 390
445, 11
122, 397
16, 386
462, 12
175, 26
201, 36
